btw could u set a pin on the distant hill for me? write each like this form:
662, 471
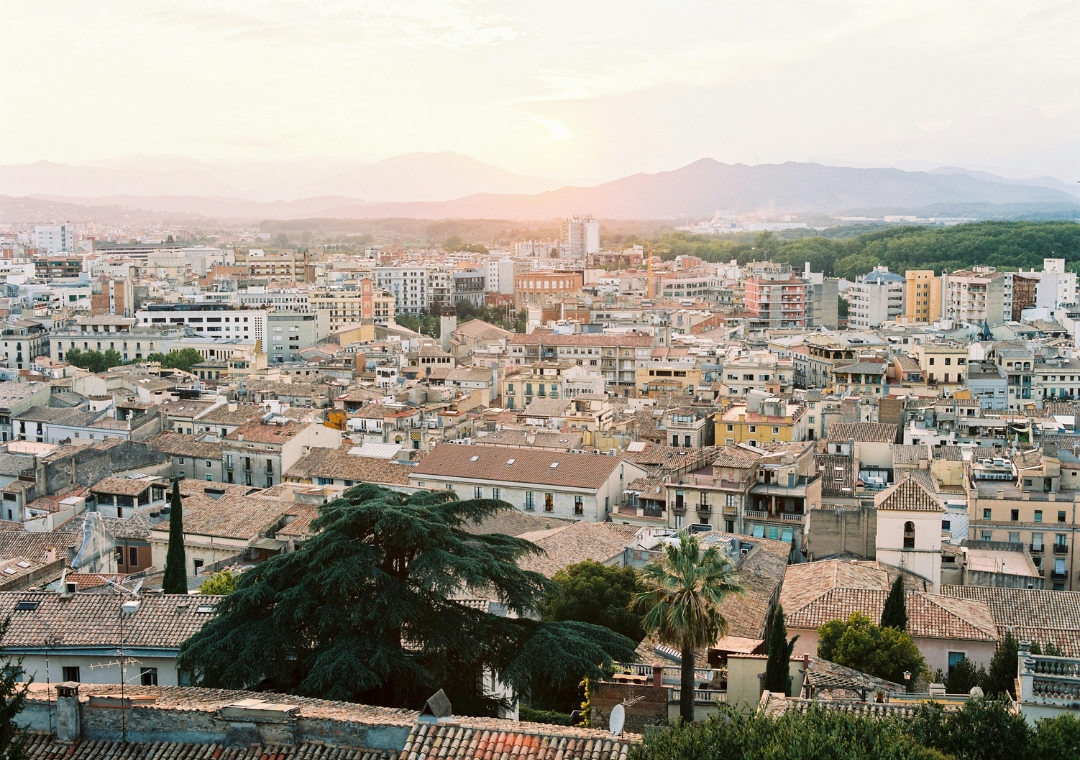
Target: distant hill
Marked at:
428, 177
705, 186
693, 191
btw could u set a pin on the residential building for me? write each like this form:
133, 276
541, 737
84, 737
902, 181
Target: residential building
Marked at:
875, 298
762, 421
258, 453
978, 296
764, 370
943, 364
581, 236
552, 483
866, 377
55, 239
774, 298
469, 285
24, 340
1030, 498
541, 287
352, 305
288, 332
922, 296
615, 357
208, 320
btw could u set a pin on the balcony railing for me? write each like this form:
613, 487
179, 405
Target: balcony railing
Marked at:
753, 514
1037, 548
791, 517
710, 696
1061, 548
673, 674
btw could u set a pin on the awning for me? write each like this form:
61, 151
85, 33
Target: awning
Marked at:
271, 544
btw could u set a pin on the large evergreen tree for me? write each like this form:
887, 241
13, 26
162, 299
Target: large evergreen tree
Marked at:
1003, 666
370, 608
681, 602
175, 578
12, 701
777, 669
894, 615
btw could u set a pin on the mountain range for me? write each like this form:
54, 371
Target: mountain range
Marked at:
448, 185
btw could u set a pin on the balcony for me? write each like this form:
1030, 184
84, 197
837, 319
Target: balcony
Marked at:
1061, 548
1056, 576
753, 514
1037, 548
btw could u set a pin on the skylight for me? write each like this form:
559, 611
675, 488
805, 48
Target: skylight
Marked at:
554, 465
474, 458
28, 604
510, 461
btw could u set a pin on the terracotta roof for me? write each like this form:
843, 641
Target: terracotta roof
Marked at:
537, 338
512, 523
733, 456
837, 475
543, 439
863, 432
760, 573
34, 546
162, 620
929, 615
258, 432
569, 544
221, 415
517, 741
46, 747
1031, 614
180, 444
909, 495
518, 466
909, 454
126, 486
300, 527
231, 516
335, 463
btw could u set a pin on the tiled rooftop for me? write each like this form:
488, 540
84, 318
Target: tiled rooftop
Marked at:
517, 466
863, 432
521, 741
909, 495
1031, 614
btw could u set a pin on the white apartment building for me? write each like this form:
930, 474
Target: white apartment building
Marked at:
410, 286
54, 239
745, 371
1056, 288
582, 235
500, 275
875, 298
980, 295
214, 321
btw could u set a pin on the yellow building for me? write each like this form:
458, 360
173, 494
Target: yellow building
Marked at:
922, 296
774, 420
668, 378
944, 365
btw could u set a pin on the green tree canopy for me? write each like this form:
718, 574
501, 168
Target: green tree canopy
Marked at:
894, 615
220, 584
183, 360
368, 609
1003, 667
777, 669
681, 602
858, 643
963, 677
593, 593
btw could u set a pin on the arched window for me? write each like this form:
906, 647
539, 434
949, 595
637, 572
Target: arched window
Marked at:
909, 535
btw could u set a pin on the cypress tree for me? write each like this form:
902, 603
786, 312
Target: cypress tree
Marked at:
777, 674
894, 615
1003, 666
175, 579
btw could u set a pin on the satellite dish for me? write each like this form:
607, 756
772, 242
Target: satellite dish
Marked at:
137, 587
617, 720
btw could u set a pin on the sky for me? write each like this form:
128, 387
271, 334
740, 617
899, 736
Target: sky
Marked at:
550, 88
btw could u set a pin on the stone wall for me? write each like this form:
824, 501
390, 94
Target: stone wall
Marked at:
87, 466
650, 709
831, 531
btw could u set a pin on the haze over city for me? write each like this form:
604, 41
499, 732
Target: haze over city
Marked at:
540, 380
281, 95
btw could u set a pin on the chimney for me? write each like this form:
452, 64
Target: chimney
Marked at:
658, 676
67, 712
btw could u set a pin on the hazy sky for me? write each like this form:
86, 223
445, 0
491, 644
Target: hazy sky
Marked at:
550, 88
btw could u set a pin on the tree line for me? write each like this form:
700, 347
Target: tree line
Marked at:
851, 251
99, 361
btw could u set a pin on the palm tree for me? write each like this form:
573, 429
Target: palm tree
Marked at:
681, 603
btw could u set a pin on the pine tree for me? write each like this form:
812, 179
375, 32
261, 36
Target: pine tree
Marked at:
12, 701
370, 609
777, 673
894, 615
1003, 666
175, 579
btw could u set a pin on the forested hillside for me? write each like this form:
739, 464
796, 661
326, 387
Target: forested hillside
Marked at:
843, 252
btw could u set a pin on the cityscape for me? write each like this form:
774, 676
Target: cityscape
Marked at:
557, 428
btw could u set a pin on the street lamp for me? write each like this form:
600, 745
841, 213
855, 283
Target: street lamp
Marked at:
907, 681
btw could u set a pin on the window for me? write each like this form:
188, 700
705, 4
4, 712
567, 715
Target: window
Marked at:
730, 428
450, 486
133, 555
1014, 537
1014, 515
946, 525
148, 676
180, 460
198, 565
732, 500
776, 431
71, 673
478, 493
549, 502
987, 535
1061, 517
529, 503
1027, 482
579, 505
1038, 515
1036, 542
753, 428
955, 658
986, 514
909, 535
496, 494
